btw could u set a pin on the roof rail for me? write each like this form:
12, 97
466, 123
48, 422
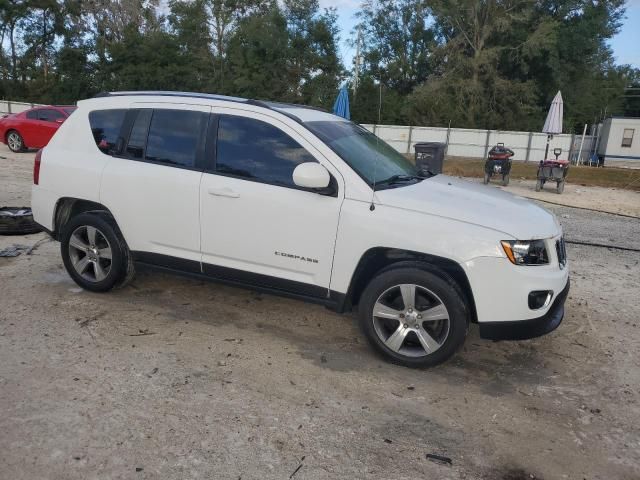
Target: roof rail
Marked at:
276, 106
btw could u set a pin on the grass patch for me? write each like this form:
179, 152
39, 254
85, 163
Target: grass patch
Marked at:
609, 177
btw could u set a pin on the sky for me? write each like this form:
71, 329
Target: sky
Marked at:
625, 45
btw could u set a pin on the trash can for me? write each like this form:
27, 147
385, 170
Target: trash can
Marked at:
430, 156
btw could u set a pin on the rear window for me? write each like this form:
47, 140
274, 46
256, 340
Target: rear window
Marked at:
50, 115
174, 136
105, 127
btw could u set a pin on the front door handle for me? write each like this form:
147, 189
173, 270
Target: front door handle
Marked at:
223, 192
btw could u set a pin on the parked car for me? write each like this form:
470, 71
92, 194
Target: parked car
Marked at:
32, 128
298, 202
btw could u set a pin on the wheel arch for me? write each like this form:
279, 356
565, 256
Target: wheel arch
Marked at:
68, 207
377, 259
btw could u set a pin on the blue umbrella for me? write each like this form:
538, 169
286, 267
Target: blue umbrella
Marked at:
341, 107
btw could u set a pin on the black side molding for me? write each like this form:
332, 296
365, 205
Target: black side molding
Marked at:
525, 329
262, 283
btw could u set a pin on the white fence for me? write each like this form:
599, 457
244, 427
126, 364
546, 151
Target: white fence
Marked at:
8, 106
461, 142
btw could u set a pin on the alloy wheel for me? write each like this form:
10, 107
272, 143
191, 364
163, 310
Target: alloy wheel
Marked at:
411, 320
14, 141
90, 253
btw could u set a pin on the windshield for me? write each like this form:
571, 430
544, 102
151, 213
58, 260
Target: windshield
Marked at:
370, 157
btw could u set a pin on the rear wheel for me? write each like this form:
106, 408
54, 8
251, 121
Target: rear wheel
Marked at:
486, 178
413, 317
505, 179
560, 187
94, 253
15, 141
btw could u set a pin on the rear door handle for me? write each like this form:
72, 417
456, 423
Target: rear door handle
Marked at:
223, 192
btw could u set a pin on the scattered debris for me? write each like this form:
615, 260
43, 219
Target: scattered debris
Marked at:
411, 387
386, 440
440, 459
222, 363
299, 467
323, 358
139, 469
14, 250
141, 333
37, 244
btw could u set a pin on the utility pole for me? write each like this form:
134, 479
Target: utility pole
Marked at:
357, 61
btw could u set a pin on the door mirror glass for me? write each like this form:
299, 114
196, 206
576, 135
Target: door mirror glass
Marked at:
311, 175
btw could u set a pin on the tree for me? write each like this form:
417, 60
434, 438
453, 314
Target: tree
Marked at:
398, 42
188, 23
313, 66
146, 61
257, 56
472, 88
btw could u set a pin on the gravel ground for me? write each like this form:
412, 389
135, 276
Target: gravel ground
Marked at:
173, 378
613, 200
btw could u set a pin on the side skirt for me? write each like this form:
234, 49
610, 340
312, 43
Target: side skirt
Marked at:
240, 278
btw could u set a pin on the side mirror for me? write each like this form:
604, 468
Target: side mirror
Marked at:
311, 175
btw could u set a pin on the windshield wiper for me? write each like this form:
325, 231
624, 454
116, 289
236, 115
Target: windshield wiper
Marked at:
398, 179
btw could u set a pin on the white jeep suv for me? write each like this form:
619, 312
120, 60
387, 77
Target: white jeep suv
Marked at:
295, 201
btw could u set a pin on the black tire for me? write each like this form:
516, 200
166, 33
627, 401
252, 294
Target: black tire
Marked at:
560, 187
15, 142
436, 282
505, 180
17, 221
487, 177
120, 269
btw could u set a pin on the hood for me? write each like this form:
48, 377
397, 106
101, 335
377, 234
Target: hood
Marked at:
474, 203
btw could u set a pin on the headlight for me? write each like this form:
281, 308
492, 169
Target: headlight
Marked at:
530, 252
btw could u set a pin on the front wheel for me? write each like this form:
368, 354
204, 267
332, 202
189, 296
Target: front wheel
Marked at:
560, 187
505, 180
486, 178
413, 316
15, 142
94, 253
539, 184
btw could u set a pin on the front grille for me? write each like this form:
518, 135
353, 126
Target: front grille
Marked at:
562, 252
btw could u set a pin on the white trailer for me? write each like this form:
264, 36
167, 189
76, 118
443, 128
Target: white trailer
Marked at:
620, 142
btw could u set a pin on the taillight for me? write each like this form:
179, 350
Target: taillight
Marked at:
36, 168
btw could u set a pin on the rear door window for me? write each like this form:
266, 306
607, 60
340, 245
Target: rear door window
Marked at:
138, 137
105, 127
175, 137
32, 114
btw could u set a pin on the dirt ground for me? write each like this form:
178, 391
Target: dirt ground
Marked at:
613, 200
172, 378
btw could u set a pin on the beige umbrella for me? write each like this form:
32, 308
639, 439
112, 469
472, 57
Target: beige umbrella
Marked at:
553, 123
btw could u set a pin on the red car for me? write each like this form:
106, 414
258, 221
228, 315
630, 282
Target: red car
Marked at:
32, 128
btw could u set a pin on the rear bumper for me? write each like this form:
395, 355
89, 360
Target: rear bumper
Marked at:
525, 329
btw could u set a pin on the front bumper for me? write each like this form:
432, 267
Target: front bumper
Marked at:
525, 329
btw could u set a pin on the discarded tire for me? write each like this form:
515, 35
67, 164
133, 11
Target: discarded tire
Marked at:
17, 221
